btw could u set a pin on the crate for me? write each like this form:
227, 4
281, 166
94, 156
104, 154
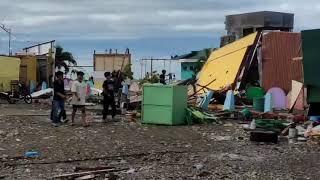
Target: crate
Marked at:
164, 104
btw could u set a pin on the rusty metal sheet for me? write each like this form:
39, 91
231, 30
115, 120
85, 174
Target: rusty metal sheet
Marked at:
278, 65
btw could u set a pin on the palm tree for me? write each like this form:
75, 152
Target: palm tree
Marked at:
202, 60
62, 57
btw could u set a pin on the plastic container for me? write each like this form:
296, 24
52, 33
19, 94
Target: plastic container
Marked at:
258, 104
293, 133
253, 124
32, 154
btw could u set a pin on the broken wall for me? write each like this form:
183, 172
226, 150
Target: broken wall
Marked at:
9, 70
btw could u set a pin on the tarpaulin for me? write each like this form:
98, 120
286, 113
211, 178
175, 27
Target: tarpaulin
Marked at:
223, 65
9, 70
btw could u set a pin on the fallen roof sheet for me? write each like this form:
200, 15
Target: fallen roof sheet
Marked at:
278, 65
223, 65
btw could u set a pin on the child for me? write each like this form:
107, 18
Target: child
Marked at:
79, 90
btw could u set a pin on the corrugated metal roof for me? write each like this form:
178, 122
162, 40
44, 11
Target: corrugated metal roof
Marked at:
202, 54
223, 65
188, 60
278, 66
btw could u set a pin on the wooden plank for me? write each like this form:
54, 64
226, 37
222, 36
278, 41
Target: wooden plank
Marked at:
75, 175
296, 89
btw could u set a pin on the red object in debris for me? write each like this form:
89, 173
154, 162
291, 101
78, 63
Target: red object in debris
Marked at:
299, 118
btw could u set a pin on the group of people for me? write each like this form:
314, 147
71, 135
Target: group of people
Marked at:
78, 101
163, 77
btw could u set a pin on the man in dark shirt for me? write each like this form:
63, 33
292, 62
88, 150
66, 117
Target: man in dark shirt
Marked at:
58, 100
108, 96
163, 77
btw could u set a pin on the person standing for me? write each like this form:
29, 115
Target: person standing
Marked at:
78, 89
163, 77
59, 98
170, 77
124, 95
108, 96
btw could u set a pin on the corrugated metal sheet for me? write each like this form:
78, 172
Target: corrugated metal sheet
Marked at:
311, 63
278, 66
223, 65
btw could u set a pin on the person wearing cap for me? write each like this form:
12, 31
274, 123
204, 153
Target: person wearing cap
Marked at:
79, 91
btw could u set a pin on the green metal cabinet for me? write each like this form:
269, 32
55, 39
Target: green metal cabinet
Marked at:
164, 104
311, 63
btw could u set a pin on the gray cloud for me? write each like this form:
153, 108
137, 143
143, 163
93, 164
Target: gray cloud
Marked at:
116, 19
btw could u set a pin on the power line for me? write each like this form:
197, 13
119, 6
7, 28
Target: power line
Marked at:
9, 34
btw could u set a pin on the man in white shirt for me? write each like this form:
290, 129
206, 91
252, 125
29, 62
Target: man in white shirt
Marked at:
79, 90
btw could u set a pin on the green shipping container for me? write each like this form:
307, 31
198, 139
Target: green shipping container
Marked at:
164, 104
311, 63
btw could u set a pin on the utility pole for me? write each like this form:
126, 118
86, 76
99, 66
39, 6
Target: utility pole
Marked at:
155, 59
9, 34
151, 66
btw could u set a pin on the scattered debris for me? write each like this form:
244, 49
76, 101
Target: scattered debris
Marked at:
198, 166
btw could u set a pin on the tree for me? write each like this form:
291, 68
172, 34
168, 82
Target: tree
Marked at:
127, 71
201, 61
62, 57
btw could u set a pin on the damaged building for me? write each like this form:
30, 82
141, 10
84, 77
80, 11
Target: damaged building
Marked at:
240, 25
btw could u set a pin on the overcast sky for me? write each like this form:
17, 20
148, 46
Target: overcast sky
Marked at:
157, 28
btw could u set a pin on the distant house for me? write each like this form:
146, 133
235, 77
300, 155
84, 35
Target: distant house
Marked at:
188, 67
192, 62
108, 62
240, 25
28, 69
111, 61
35, 69
44, 53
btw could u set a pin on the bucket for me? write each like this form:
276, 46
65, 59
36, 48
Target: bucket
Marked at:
258, 104
293, 133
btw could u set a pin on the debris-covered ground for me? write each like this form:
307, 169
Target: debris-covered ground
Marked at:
137, 151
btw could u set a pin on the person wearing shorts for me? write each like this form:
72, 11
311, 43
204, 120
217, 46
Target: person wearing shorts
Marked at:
79, 90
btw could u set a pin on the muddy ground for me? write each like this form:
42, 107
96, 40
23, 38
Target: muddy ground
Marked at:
143, 151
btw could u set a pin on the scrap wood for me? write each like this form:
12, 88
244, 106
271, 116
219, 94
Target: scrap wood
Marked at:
285, 132
202, 87
25, 115
223, 113
77, 169
297, 87
271, 115
134, 155
80, 174
91, 176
